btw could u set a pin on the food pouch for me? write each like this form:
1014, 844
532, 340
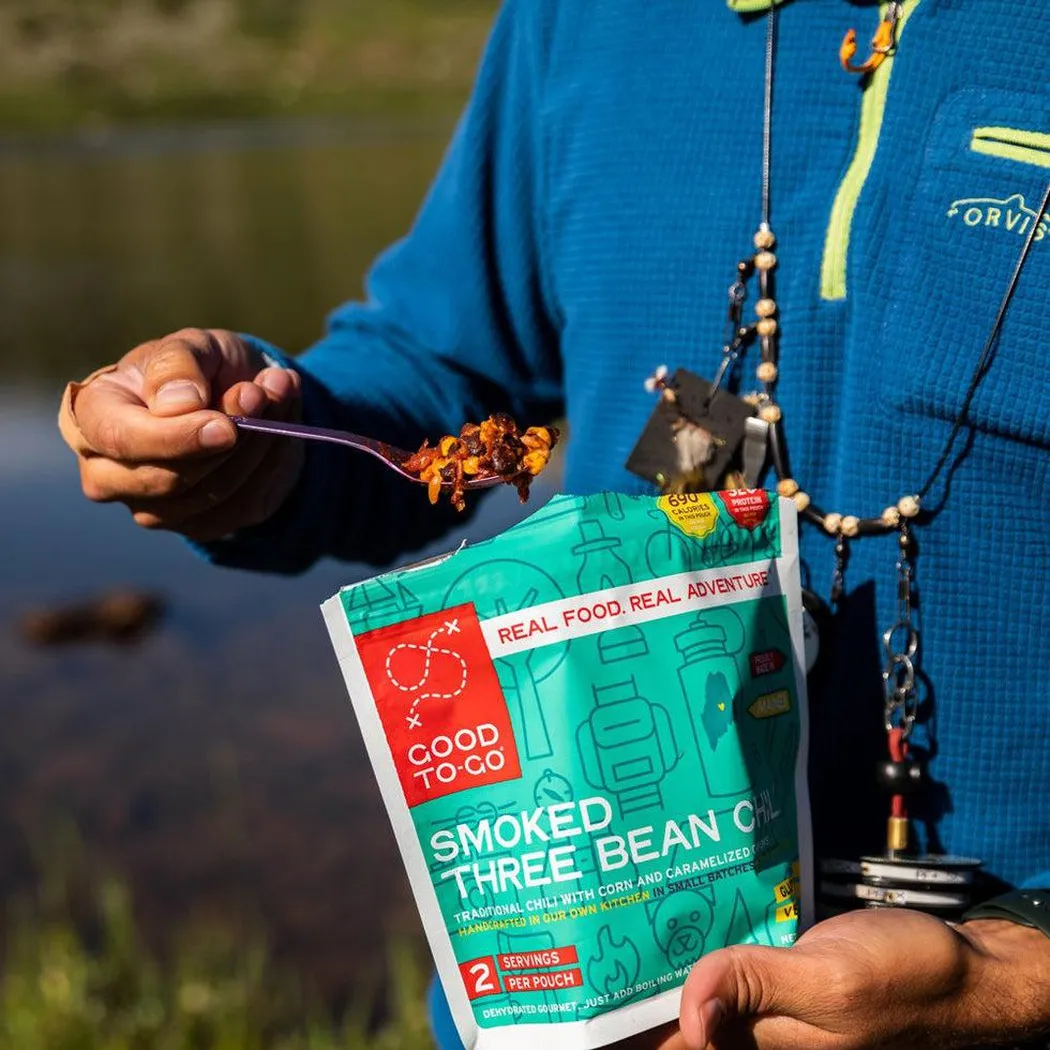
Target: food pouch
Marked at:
590, 735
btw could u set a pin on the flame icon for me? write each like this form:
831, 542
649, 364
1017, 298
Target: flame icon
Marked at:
616, 966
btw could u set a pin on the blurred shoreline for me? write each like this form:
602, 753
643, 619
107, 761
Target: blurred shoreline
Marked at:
233, 163
87, 65
263, 133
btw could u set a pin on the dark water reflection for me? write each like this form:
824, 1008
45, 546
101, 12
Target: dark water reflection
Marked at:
217, 763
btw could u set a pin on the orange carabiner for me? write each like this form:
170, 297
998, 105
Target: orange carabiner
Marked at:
882, 44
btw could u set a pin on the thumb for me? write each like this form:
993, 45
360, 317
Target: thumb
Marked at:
177, 372
740, 982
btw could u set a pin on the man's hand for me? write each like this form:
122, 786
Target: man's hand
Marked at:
151, 432
872, 979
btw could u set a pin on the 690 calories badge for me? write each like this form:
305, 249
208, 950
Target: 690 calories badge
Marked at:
443, 712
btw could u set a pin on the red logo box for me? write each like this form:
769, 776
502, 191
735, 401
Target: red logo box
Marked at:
443, 712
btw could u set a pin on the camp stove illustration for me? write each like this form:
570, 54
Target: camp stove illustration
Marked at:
378, 602
627, 746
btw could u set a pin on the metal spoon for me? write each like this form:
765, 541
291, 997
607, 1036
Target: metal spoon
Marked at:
390, 455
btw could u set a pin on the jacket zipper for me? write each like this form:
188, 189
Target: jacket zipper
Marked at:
872, 111
1028, 147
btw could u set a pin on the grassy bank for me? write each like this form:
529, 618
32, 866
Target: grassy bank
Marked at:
81, 63
78, 977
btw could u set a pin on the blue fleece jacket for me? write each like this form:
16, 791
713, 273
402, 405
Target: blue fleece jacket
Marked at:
584, 228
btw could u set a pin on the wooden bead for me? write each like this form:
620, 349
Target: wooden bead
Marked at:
908, 506
787, 487
801, 500
765, 261
765, 238
767, 372
765, 307
850, 525
891, 516
770, 413
767, 326
832, 523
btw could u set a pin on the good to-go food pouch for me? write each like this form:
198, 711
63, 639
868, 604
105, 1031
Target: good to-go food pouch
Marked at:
590, 736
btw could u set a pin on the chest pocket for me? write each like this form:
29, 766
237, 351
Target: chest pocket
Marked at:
985, 167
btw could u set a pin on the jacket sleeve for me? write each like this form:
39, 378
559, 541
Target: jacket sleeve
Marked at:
459, 322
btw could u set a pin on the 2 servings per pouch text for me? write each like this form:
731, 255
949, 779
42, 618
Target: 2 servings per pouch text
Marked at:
589, 733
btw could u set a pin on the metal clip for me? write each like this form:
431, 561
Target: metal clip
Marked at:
882, 43
756, 443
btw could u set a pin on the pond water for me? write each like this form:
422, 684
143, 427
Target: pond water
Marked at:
215, 764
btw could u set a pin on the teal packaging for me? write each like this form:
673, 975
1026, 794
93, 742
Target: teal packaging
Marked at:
590, 737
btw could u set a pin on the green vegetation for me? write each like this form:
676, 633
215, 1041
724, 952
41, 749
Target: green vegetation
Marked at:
91, 984
76, 63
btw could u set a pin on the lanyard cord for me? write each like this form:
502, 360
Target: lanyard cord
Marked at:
987, 356
984, 362
767, 114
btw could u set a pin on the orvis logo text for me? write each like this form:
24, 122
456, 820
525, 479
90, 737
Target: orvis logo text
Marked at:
1011, 215
441, 705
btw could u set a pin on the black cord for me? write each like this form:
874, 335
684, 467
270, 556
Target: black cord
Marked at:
767, 114
988, 353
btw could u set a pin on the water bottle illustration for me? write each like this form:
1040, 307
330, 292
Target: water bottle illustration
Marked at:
603, 568
713, 690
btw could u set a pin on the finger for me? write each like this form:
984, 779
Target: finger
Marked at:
249, 497
744, 982
258, 500
240, 492
245, 399
282, 384
177, 371
108, 481
275, 391
114, 423
774, 1033
271, 482
68, 426
218, 486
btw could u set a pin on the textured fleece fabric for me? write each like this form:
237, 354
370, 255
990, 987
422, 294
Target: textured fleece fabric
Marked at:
584, 228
